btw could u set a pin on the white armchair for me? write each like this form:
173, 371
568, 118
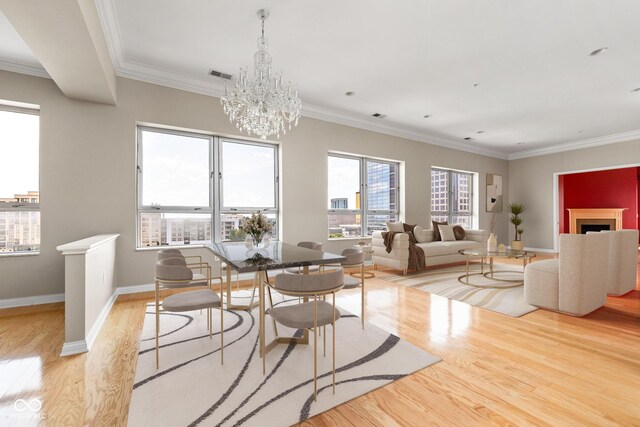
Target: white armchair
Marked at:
623, 261
575, 283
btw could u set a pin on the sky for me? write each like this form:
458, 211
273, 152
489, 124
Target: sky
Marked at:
176, 172
344, 180
19, 145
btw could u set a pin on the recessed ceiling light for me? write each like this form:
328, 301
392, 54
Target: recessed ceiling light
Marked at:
468, 138
379, 116
480, 131
350, 93
426, 116
476, 84
599, 51
636, 89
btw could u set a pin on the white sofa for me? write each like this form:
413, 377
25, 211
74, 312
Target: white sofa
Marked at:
435, 253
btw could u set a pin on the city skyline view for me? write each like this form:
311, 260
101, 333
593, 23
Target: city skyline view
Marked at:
19, 181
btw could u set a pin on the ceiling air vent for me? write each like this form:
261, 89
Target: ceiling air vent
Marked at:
219, 74
379, 116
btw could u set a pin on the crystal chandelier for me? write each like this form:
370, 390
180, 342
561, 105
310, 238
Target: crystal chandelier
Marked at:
262, 106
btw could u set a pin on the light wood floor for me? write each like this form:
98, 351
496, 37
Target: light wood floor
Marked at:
544, 368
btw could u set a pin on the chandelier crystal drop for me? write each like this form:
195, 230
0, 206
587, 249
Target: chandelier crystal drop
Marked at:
263, 105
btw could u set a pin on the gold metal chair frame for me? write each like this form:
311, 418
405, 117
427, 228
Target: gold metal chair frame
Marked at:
209, 278
265, 348
362, 277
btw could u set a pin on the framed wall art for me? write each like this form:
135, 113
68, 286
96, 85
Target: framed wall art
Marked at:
494, 193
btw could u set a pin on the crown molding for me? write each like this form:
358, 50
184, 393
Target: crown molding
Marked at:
24, 69
334, 116
577, 145
109, 19
169, 78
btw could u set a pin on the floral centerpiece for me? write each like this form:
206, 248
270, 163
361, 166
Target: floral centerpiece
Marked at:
256, 226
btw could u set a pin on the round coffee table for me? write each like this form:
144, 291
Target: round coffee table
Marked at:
471, 254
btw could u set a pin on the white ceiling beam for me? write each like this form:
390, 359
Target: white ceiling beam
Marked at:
67, 38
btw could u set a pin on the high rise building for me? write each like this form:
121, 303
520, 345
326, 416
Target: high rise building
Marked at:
20, 229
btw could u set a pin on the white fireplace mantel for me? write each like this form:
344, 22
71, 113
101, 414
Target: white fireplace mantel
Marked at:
595, 214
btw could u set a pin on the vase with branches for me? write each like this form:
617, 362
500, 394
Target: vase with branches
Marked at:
256, 226
516, 209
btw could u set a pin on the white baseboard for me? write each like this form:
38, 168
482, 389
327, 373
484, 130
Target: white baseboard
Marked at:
27, 301
102, 317
74, 347
123, 290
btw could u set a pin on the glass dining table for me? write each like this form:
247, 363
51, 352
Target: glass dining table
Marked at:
276, 256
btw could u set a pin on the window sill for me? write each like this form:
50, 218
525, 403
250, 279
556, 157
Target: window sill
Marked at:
14, 254
159, 248
346, 239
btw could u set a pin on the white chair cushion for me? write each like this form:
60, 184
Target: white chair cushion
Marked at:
541, 284
300, 316
419, 234
192, 300
447, 248
351, 282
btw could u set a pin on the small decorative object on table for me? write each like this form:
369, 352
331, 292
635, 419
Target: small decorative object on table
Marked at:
257, 226
492, 242
502, 248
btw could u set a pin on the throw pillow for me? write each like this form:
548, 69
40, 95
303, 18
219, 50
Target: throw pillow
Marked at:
395, 226
446, 233
436, 231
458, 231
418, 232
408, 228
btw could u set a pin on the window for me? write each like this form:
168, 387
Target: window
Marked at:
195, 189
363, 195
249, 176
452, 197
19, 181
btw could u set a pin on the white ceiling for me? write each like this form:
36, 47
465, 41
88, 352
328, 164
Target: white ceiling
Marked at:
14, 52
537, 85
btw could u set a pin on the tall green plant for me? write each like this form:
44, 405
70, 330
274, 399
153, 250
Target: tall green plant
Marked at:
516, 209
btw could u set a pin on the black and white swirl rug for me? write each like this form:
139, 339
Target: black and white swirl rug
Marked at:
191, 388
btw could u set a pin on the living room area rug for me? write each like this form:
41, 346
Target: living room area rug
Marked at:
192, 388
505, 298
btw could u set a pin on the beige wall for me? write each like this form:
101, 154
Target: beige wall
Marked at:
531, 181
87, 180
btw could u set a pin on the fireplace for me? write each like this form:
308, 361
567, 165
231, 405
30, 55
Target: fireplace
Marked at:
588, 225
583, 220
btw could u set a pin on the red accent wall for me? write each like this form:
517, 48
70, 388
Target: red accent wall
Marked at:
615, 188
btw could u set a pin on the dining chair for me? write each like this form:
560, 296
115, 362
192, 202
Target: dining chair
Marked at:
310, 315
316, 246
354, 258
175, 273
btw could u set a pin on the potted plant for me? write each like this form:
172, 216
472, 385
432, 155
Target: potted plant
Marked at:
516, 209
